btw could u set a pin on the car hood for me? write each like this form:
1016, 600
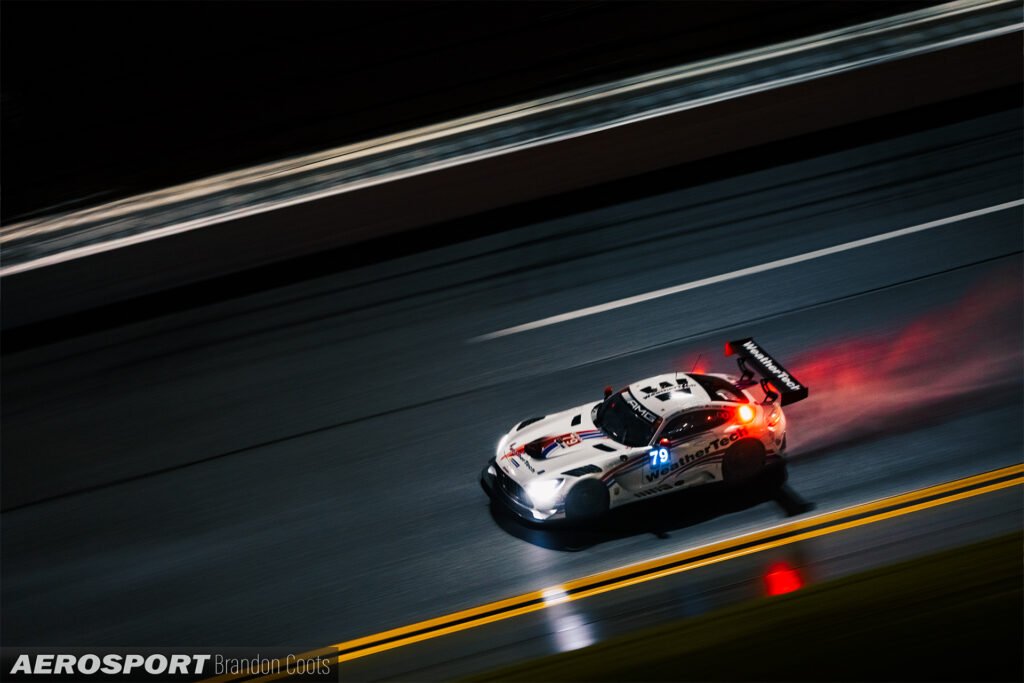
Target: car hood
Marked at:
562, 441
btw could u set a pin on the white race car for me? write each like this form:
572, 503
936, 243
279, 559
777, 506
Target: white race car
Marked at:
661, 434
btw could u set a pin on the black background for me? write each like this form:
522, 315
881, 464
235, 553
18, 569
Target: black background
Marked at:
101, 100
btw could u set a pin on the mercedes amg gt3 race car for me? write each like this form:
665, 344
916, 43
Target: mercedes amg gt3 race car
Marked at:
658, 435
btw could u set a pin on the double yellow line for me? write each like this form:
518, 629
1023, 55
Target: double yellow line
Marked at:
774, 537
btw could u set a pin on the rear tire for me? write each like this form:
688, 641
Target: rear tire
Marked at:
743, 461
588, 500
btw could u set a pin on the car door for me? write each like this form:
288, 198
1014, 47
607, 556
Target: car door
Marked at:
682, 448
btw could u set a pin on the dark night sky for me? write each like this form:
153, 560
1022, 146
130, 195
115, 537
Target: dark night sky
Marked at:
104, 99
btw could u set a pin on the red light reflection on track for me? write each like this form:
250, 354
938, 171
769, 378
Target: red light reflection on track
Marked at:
781, 579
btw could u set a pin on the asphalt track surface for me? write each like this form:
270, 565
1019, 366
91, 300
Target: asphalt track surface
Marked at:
700, 588
299, 467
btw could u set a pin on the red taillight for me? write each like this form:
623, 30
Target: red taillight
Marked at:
781, 579
745, 413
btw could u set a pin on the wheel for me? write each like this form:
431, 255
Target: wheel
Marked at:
588, 500
743, 461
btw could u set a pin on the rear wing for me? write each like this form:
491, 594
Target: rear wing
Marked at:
771, 371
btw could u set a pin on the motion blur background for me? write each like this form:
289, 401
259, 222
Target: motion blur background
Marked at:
266, 431
101, 100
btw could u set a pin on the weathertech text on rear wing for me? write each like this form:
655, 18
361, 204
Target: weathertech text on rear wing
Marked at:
768, 368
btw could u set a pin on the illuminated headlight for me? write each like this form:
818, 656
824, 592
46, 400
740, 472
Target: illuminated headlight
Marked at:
545, 493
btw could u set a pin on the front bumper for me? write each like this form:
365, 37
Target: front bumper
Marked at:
502, 488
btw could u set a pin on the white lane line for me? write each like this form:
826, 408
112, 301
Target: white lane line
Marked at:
743, 272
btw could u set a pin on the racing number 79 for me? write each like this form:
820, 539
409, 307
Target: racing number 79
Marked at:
659, 456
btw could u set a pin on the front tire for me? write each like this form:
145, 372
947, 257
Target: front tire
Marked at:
743, 461
587, 501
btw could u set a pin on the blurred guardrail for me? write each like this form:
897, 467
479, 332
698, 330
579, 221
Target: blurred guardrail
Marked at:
277, 211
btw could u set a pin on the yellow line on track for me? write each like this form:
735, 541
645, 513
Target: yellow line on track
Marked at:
686, 560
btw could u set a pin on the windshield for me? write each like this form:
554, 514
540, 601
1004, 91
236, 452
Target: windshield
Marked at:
623, 418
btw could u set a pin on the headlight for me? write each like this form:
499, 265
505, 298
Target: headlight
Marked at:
544, 494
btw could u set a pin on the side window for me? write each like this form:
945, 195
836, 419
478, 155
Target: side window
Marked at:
719, 389
695, 422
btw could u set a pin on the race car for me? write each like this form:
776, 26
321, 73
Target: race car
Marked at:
658, 435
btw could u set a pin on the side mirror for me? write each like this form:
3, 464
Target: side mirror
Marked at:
607, 392
663, 441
